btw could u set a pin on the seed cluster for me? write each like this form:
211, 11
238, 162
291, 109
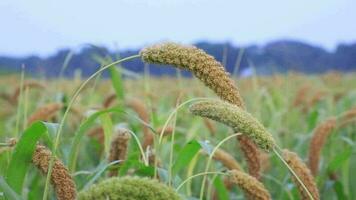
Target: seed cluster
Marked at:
226, 159
61, 179
119, 147
129, 188
252, 154
321, 133
253, 189
45, 112
204, 67
236, 118
304, 174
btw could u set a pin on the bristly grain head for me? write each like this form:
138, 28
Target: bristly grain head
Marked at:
119, 148
130, 188
320, 134
204, 67
346, 117
304, 174
252, 188
61, 179
45, 112
252, 154
236, 118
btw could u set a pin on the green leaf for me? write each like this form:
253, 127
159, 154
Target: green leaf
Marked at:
83, 128
131, 161
115, 75
339, 160
164, 177
146, 171
221, 190
108, 129
7, 191
185, 156
98, 172
117, 82
22, 155
312, 119
339, 189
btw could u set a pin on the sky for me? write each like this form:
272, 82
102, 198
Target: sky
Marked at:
43, 26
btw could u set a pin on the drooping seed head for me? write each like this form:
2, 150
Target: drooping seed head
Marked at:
202, 65
320, 134
253, 189
129, 188
252, 154
227, 160
45, 112
236, 118
62, 181
346, 118
119, 147
304, 174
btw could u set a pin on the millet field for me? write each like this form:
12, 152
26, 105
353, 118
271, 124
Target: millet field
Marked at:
212, 136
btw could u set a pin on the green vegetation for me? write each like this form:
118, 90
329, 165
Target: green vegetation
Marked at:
181, 154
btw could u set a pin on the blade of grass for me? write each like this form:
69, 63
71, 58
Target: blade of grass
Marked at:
73, 99
108, 129
185, 156
7, 190
22, 154
220, 188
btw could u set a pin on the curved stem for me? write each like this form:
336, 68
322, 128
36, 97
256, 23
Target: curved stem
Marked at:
196, 175
173, 113
279, 184
76, 94
210, 159
144, 157
293, 172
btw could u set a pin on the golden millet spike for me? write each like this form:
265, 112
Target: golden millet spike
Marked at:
119, 147
45, 112
252, 154
304, 174
203, 65
321, 133
62, 181
226, 159
253, 189
236, 118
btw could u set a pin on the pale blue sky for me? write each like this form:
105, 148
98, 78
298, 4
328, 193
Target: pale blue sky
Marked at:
43, 26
